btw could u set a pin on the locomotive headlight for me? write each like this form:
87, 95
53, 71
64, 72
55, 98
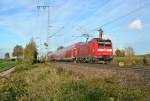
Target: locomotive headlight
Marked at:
100, 50
109, 50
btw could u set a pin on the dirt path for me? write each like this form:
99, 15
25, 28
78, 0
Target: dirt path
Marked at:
7, 72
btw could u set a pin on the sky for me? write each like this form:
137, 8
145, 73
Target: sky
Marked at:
20, 20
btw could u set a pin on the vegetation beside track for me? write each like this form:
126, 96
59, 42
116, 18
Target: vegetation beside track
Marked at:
136, 60
47, 83
5, 65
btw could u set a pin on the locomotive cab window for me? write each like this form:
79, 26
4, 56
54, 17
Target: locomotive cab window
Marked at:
101, 43
107, 43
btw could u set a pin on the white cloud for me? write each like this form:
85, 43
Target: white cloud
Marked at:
136, 24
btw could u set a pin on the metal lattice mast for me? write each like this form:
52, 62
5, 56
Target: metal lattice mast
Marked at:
48, 23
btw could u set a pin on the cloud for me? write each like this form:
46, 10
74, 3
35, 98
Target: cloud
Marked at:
136, 24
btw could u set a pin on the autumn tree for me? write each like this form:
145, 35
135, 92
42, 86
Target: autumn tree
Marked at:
30, 52
120, 53
18, 51
7, 56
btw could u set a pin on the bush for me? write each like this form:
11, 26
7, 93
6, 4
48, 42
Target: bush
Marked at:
23, 67
80, 91
120, 53
129, 61
53, 84
12, 90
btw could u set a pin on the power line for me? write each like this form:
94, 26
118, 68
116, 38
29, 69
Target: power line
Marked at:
123, 16
90, 35
48, 23
119, 3
129, 13
56, 33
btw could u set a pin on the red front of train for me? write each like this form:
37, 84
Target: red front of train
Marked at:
94, 51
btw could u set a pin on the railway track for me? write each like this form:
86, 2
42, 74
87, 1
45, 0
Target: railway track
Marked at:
142, 71
110, 66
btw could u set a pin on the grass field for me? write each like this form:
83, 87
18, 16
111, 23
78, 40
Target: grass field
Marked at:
43, 82
5, 65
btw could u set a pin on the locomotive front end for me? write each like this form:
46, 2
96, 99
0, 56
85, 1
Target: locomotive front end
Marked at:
104, 50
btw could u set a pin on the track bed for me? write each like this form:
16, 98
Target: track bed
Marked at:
128, 76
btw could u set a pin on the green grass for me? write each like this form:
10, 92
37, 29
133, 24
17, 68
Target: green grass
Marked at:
5, 65
45, 83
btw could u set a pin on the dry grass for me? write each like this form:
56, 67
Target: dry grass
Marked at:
124, 77
131, 61
52, 83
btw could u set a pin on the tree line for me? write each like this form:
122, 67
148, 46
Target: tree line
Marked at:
26, 55
29, 53
129, 52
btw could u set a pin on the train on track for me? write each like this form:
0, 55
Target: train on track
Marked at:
93, 51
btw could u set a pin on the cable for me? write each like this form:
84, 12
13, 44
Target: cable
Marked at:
129, 13
119, 3
55, 34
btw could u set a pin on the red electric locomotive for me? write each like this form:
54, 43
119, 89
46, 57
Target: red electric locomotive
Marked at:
94, 51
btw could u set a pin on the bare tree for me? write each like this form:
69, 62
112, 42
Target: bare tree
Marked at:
129, 52
130, 55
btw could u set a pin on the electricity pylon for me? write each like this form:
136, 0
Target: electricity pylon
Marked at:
44, 7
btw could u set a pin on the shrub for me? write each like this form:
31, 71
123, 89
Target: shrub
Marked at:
12, 90
79, 91
129, 61
53, 84
120, 53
